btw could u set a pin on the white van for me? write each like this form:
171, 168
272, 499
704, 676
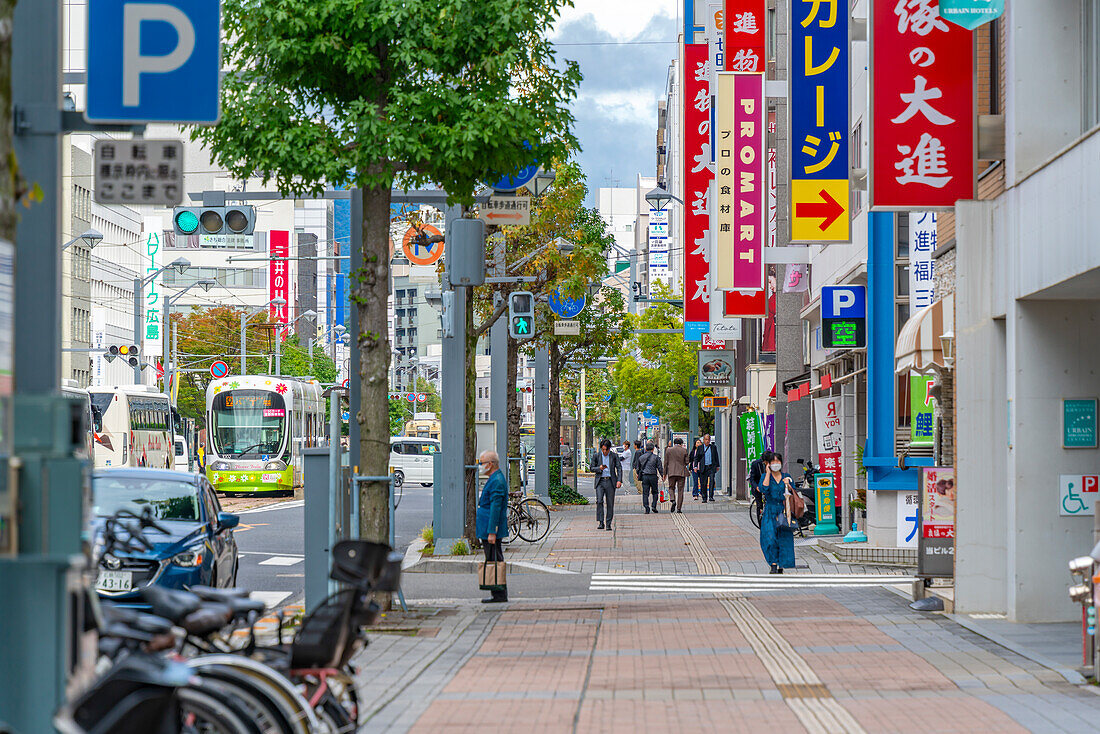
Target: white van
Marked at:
182, 460
413, 459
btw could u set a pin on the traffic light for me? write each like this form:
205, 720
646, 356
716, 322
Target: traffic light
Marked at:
521, 314
129, 352
187, 220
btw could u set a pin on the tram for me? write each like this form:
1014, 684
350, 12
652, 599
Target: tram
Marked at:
256, 429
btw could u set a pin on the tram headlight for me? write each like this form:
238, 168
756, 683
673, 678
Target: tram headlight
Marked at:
275, 465
219, 465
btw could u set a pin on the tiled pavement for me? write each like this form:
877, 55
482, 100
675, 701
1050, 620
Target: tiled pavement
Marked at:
817, 660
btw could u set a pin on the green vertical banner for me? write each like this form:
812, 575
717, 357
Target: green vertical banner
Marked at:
752, 434
922, 419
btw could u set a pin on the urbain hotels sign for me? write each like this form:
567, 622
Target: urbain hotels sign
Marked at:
923, 107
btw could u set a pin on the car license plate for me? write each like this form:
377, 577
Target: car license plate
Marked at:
115, 581
271, 478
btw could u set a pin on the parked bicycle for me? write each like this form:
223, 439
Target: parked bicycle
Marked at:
175, 668
528, 518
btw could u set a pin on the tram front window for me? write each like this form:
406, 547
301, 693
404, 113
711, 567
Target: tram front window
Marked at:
249, 424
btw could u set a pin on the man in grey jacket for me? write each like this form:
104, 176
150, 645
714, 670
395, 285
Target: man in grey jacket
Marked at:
608, 473
649, 468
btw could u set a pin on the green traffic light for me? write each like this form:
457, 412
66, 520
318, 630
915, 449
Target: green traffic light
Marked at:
187, 222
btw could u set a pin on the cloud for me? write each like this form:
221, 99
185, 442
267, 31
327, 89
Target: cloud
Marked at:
624, 51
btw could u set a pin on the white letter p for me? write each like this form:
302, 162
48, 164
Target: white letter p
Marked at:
842, 300
134, 64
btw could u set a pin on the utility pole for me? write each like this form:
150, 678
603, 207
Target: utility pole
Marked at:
584, 415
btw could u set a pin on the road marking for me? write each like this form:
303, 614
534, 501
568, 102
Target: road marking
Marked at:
269, 553
281, 561
704, 584
270, 598
278, 506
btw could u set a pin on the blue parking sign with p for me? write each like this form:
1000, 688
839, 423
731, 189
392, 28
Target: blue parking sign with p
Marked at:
843, 301
154, 61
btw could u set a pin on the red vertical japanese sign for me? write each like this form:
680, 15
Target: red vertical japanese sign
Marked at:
748, 198
923, 115
745, 39
698, 173
278, 278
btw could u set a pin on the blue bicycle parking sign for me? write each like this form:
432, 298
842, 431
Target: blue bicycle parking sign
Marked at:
565, 307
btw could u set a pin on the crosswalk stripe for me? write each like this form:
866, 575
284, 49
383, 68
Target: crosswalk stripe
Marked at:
703, 584
281, 561
270, 598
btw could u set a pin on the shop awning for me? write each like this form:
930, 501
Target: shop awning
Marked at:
919, 348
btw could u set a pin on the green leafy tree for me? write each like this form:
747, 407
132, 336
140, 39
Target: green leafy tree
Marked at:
207, 334
373, 93
434, 402
558, 216
656, 369
398, 414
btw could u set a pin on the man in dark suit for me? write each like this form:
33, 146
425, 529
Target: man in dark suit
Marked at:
608, 471
708, 467
676, 469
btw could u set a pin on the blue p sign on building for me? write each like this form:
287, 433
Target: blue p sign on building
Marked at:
844, 316
154, 61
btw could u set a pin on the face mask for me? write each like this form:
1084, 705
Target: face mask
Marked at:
776, 467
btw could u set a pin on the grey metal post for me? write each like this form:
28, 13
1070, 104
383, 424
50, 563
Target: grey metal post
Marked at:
450, 506
244, 354
35, 624
318, 521
718, 434
498, 383
542, 423
310, 342
278, 351
165, 315
138, 318
334, 447
693, 412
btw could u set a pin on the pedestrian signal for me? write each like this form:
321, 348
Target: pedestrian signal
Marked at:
128, 352
521, 314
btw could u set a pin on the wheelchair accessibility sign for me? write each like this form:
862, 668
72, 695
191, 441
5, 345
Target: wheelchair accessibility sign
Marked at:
1078, 494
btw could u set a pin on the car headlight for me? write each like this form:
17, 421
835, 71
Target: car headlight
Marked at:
274, 465
219, 465
188, 559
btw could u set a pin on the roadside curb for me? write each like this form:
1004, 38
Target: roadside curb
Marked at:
412, 553
469, 564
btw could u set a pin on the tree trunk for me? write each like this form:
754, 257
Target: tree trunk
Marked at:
8, 166
512, 411
553, 441
371, 298
470, 458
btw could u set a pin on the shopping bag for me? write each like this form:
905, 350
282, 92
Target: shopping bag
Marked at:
491, 575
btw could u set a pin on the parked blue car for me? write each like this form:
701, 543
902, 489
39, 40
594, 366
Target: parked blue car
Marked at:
199, 547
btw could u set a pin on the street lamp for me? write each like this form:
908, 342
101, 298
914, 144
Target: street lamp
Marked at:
278, 339
563, 246
166, 311
91, 238
543, 180
658, 198
179, 265
277, 301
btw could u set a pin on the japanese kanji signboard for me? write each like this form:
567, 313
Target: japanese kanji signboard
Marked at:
745, 38
139, 171
819, 104
153, 259
936, 542
922, 407
739, 182
922, 268
278, 277
698, 174
922, 100
830, 441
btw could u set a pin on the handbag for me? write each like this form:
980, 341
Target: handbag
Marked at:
782, 522
491, 576
796, 506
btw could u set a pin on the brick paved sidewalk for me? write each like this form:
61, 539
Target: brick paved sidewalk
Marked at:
843, 660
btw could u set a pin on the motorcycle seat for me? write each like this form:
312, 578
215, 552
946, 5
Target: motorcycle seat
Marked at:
169, 603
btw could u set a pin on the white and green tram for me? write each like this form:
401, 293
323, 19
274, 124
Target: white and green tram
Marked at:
256, 429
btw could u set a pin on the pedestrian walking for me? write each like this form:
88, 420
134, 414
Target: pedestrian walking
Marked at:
708, 467
608, 471
676, 469
492, 519
776, 537
650, 469
756, 474
693, 465
626, 456
633, 470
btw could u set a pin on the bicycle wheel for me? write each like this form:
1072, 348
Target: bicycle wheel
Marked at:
267, 711
204, 710
754, 512
514, 519
534, 521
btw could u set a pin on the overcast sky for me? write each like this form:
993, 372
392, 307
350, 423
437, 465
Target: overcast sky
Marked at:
616, 110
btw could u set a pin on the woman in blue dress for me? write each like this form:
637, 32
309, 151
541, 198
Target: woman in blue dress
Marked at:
777, 543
